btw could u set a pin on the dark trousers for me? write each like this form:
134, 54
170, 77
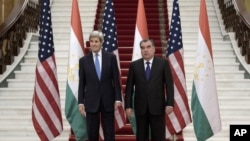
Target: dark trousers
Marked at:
93, 124
153, 123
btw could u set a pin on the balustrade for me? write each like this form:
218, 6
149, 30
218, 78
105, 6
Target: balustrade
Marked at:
23, 18
236, 19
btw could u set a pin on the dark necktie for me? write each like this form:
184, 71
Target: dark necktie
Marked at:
147, 70
97, 66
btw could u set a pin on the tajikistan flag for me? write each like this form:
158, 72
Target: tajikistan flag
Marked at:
76, 51
141, 30
204, 104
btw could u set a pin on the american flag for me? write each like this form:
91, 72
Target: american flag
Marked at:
110, 44
46, 107
181, 117
109, 27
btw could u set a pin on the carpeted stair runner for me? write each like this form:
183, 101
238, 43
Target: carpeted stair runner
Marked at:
125, 13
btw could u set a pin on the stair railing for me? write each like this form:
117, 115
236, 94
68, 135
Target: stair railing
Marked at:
237, 19
23, 18
244, 24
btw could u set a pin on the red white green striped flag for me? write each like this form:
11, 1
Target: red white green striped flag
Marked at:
141, 30
204, 103
76, 50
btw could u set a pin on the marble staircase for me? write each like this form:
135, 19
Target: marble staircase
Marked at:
232, 86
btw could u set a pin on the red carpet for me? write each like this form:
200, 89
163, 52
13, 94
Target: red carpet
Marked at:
125, 12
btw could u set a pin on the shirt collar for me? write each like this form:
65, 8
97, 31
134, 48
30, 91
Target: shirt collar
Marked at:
151, 60
99, 53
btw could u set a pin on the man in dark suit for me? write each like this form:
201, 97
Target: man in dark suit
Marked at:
150, 83
99, 92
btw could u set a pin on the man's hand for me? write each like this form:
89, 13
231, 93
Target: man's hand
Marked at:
169, 109
81, 109
118, 104
129, 112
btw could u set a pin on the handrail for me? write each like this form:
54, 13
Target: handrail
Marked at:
241, 9
23, 18
13, 17
222, 28
19, 57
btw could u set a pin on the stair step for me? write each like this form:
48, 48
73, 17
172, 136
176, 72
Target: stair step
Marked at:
131, 27
132, 1
125, 130
25, 132
125, 138
123, 15
67, 9
233, 97
134, 10
133, 5
85, 3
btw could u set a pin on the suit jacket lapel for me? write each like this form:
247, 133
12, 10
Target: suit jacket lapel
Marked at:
153, 68
92, 64
104, 61
141, 66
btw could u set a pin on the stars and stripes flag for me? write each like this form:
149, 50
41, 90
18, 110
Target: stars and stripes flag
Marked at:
180, 117
110, 44
76, 51
46, 107
204, 103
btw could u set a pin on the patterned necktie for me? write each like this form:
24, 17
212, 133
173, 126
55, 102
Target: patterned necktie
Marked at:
97, 66
147, 70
